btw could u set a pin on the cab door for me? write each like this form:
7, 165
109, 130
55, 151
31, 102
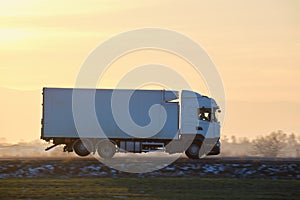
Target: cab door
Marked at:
205, 118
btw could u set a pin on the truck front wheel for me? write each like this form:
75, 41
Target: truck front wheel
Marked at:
106, 149
193, 151
81, 148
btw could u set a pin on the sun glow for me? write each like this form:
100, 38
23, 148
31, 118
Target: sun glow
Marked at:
254, 44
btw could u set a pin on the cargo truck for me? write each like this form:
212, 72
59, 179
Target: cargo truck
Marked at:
164, 120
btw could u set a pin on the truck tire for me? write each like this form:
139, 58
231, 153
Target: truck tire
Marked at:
81, 148
106, 149
193, 151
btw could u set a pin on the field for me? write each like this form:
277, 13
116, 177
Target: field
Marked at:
209, 178
258, 168
148, 188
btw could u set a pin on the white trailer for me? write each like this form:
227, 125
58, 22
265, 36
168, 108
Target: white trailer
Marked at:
157, 120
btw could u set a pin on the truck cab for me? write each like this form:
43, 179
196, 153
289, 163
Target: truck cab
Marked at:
199, 121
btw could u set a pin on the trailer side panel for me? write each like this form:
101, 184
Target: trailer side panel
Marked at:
58, 119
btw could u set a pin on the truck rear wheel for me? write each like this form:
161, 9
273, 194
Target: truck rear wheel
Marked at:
106, 149
193, 151
81, 148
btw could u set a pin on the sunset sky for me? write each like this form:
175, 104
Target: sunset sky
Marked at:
254, 44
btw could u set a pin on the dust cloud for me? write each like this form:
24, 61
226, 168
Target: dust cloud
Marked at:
31, 149
230, 147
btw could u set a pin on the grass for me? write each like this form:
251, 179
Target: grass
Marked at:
148, 188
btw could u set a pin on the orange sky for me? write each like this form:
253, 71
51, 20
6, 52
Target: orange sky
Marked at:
254, 44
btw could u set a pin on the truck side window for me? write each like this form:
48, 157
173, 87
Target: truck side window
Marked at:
204, 114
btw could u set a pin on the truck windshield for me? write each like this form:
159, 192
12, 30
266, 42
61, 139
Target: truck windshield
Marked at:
217, 114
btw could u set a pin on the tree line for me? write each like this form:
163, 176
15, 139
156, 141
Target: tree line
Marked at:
275, 144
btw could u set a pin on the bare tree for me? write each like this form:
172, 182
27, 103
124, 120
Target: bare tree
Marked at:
270, 145
224, 139
233, 139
